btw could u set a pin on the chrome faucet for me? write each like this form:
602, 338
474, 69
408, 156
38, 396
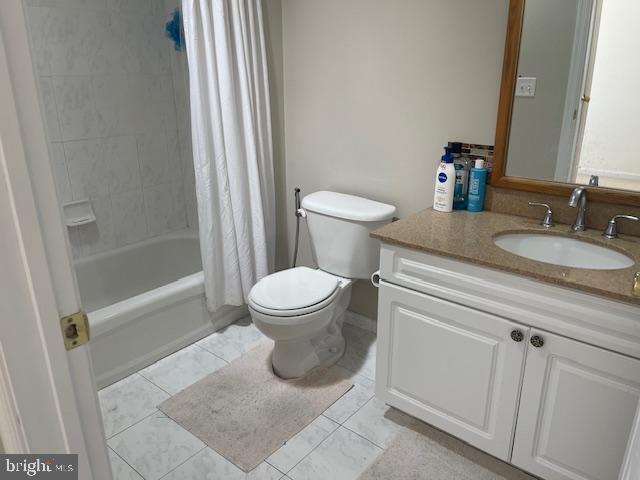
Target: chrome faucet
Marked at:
578, 198
547, 220
612, 227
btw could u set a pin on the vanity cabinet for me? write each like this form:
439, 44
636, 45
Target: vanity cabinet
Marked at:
577, 407
451, 366
542, 377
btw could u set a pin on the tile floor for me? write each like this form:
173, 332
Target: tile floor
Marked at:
146, 444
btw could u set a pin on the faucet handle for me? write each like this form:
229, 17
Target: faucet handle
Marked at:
612, 227
547, 220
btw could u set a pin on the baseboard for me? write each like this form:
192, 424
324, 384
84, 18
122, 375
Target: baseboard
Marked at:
360, 321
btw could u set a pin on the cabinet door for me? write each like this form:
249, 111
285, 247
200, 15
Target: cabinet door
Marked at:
451, 366
576, 412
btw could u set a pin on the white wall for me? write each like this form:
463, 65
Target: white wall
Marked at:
612, 120
114, 95
374, 88
545, 53
272, 11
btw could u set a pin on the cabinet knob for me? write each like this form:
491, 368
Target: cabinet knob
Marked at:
537, 341
517, 335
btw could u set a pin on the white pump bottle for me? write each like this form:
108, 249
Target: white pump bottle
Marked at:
445, 183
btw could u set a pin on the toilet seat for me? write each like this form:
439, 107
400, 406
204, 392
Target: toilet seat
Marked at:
294, 292
301, 315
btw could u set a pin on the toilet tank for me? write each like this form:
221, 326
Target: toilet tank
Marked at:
339, 227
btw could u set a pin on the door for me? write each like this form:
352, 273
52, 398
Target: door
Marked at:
50, 399
577, 89
451, 366
577, 410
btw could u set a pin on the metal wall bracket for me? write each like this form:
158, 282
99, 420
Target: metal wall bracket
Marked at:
75, 330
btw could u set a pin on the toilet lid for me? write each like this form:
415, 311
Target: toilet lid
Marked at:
293, 289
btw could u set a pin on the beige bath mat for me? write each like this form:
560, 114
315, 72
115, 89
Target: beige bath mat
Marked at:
424, 453
245, 413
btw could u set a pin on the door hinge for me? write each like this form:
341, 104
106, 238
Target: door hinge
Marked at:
75, 330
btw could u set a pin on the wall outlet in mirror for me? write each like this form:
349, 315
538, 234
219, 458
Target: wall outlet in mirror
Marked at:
526, 87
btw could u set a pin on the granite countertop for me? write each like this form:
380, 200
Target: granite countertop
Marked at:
468, 236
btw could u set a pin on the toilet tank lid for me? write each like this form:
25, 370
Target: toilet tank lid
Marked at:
349, 207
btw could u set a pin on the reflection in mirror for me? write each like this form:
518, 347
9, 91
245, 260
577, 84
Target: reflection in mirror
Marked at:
576, 108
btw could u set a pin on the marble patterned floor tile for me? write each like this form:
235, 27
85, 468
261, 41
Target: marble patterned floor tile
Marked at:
209, 465
360, 353
343, 455
264, 471
378, 422
120, 469
353, 400
155, 446
234, 340
127, 402
183, 368
298, 447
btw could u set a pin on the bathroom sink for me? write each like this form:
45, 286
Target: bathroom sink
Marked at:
564, 251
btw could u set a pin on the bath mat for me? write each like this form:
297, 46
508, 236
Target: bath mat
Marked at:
245, 412
424, 453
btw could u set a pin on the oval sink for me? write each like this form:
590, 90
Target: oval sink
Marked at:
567, 252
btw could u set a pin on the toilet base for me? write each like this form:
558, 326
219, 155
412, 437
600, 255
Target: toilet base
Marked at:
295, 358
305, 344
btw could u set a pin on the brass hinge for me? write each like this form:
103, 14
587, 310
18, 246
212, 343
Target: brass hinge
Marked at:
75, 330
585, 98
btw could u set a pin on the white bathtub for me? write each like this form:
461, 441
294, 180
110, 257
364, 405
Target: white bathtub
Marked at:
145, 301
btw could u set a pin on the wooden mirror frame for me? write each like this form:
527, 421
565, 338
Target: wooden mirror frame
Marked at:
505, 110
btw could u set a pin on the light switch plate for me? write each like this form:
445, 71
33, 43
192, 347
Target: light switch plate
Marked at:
526, 87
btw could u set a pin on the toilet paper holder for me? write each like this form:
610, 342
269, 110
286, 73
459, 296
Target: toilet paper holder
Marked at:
375, 279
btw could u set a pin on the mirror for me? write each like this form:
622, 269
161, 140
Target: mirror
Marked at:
569, 107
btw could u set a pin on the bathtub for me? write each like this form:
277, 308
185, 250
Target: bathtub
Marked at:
145, 301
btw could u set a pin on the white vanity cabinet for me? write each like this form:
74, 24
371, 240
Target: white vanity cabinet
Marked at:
577, 407
451, 366
543, 377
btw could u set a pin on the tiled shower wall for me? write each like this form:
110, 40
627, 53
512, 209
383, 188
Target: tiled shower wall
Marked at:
114, 95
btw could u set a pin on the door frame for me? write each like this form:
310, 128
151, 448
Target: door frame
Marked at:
583, 37
60, 413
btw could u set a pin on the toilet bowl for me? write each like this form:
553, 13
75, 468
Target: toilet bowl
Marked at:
302, 309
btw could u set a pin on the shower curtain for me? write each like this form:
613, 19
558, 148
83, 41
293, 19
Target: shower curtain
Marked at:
232, 150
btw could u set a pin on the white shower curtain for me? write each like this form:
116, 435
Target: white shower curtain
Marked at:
232, 150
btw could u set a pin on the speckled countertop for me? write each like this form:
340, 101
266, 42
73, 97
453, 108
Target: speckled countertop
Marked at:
469, 237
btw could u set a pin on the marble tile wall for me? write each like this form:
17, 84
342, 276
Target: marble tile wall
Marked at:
114, 96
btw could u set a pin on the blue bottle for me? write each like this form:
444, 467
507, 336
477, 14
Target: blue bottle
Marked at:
477, 187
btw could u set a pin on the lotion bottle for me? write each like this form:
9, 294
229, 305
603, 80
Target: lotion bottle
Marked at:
477, 187
445, 183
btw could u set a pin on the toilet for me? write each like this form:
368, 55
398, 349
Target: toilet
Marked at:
302, 309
